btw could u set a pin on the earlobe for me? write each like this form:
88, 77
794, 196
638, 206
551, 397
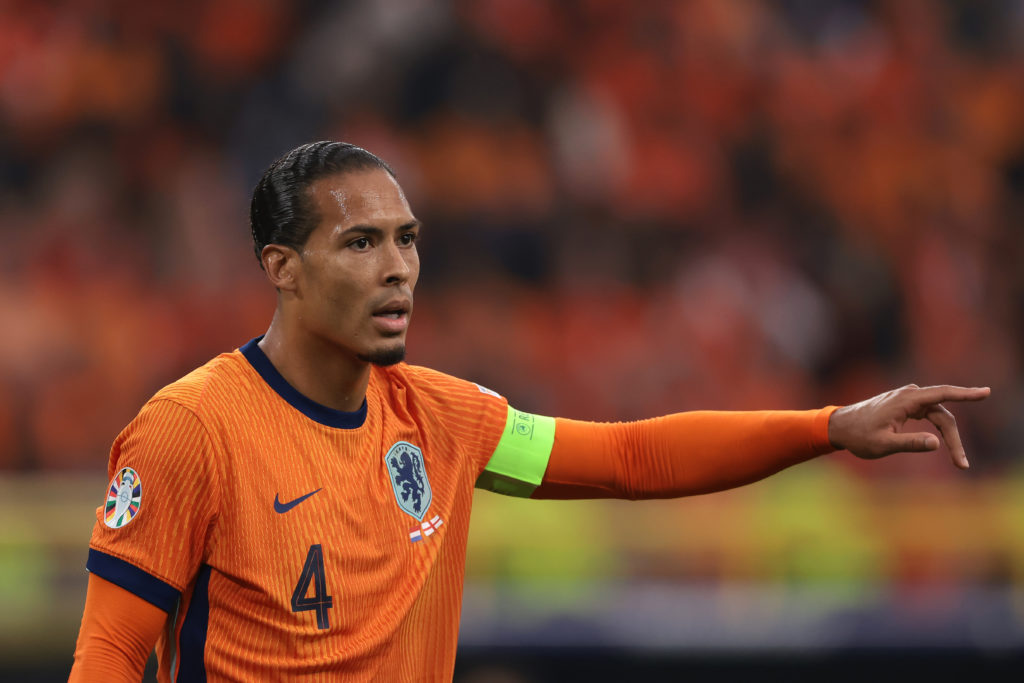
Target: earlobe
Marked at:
279, 263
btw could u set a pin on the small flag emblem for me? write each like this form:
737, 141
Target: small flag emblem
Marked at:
425, 529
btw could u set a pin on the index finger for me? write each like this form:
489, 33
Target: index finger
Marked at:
948, 392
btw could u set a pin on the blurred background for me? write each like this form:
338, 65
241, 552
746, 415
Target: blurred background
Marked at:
630, 208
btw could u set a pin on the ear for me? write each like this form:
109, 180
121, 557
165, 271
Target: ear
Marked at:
281, 264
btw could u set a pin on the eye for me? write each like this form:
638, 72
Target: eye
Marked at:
407, 239
360, 243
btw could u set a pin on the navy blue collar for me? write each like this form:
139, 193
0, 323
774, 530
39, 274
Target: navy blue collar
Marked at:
308, 407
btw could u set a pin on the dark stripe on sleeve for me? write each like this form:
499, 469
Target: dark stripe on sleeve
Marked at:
133, 579
193, 631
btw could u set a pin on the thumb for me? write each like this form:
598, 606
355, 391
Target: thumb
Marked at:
916, 442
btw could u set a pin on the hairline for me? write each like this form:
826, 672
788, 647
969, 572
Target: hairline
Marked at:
367, 166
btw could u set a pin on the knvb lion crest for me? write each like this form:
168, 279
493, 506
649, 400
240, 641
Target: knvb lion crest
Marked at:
409, 478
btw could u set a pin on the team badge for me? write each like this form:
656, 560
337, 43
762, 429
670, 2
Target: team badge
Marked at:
409, 478
124, 498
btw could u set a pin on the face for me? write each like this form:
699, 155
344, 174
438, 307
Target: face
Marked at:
356, 273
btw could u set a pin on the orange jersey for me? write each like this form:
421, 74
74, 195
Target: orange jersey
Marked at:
286, 539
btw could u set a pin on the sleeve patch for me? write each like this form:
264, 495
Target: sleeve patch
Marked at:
518, 464
124, 498
489, 392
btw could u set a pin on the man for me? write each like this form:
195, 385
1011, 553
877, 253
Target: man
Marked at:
299, 507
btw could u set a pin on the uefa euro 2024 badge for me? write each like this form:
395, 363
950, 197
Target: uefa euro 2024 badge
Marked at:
124, 498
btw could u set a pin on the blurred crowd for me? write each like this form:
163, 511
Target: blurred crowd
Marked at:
630, 208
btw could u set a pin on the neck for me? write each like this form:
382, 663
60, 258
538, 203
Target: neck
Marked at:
317, 369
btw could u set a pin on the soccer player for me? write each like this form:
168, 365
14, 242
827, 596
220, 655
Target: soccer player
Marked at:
299, 507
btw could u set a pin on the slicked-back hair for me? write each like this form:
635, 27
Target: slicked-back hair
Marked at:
282, 210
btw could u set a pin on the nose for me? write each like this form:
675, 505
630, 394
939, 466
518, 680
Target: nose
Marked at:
396, 268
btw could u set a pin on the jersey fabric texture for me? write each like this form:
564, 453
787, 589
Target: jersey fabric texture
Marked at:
288, 540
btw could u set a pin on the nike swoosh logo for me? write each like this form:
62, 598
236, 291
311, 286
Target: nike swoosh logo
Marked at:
282, 508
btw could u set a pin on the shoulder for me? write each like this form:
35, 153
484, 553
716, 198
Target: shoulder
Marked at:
433, 385
179, 424
174, 430
210, 385
464, 410
195, 403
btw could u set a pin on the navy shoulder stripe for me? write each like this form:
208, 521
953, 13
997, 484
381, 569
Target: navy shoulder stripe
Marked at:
132, 579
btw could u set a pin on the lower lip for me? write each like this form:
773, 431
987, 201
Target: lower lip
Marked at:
392, 325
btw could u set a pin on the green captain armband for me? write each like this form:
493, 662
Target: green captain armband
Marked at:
517, 466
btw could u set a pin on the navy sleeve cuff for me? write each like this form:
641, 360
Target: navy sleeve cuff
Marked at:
133, 579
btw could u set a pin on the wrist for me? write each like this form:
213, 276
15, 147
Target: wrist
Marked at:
834, 429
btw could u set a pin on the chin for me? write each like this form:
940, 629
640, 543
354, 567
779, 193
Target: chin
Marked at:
384, 357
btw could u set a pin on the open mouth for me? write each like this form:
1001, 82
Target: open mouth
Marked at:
393, 317
394, 310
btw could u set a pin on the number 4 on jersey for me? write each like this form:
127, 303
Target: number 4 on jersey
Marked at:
313, 572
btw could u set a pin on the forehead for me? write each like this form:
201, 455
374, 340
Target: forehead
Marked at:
357, 197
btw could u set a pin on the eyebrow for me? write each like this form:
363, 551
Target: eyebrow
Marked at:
367, 229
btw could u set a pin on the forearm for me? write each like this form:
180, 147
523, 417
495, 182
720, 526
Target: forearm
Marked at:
679, 455
119, 630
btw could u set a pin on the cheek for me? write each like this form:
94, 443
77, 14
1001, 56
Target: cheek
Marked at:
414, 268
334, 297
345, 299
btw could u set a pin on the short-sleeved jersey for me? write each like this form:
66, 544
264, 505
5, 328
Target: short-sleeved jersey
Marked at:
287, 540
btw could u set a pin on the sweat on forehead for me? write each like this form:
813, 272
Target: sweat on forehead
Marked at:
359, 193
282, 211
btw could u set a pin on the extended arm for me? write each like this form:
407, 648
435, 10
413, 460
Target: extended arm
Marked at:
704, 451
119, 630
679, 455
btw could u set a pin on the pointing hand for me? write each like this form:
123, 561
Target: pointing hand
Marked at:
871, 429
